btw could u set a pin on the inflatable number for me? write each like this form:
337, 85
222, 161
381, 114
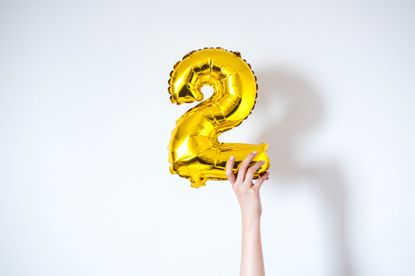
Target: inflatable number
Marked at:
194, 151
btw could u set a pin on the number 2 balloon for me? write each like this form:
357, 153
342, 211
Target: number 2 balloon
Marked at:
194, 150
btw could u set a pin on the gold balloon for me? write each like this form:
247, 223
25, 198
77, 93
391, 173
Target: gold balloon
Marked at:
194, 151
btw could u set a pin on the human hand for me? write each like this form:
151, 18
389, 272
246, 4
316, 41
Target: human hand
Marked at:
246, 191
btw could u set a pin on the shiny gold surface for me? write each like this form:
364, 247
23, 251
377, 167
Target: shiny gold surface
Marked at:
194, 150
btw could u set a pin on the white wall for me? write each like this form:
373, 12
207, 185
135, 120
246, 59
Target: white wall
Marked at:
85, 120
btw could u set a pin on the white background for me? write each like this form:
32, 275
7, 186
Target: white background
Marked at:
85, 120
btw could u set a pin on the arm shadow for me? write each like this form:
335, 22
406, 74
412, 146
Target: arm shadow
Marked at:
292, 108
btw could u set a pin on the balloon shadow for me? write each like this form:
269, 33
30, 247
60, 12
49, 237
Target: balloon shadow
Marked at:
302, 112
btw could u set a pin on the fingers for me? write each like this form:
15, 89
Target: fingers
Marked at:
251, 171
229, 169
244, 166
261, 180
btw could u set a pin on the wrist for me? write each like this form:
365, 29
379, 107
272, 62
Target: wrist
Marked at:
250, 218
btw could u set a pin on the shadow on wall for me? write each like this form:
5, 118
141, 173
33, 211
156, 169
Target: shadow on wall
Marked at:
302, 111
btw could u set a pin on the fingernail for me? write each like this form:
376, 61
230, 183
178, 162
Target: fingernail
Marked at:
232, 157
254, 152
262, 161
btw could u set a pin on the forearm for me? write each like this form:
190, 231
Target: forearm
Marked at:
252, 262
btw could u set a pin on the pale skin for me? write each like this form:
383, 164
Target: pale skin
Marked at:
248, 194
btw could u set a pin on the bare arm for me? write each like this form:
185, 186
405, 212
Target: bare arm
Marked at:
247, 193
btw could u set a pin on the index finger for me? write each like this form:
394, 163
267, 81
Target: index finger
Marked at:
229, 169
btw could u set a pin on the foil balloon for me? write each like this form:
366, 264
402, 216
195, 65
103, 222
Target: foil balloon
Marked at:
194, 150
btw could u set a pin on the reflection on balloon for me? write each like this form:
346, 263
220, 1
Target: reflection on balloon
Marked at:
194, 150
